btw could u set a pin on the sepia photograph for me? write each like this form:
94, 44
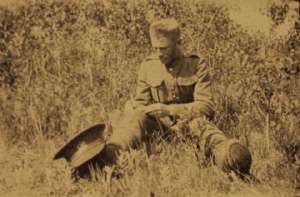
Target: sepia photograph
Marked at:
149, 98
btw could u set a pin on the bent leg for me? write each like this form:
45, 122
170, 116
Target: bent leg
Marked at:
227, 154
130, 129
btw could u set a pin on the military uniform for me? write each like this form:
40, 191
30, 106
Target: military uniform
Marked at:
185, 83
186, 87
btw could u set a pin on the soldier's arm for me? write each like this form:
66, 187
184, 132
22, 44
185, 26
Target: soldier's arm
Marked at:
143, 92
202, 104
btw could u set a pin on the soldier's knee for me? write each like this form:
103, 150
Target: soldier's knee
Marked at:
127, 130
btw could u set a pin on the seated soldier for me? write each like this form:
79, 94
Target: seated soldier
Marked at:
174, 88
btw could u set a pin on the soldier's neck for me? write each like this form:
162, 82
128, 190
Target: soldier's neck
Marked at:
172, 63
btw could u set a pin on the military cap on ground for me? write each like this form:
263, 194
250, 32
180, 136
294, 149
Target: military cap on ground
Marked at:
83, 146
164, 32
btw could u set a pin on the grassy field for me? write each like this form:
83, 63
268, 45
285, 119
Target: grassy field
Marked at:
172, 171
65, 65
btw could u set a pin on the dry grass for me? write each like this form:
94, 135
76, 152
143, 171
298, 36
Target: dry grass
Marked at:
66, 64
172, 171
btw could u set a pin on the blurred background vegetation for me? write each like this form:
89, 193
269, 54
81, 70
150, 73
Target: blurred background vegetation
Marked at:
64, 65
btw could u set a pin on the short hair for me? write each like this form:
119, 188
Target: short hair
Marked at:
164, 31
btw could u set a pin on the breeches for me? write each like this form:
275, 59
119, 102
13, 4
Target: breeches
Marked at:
227, 154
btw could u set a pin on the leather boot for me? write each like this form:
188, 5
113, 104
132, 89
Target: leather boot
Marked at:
230, 155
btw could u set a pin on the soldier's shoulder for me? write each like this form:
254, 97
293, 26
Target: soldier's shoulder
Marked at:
151, 57
150, 60
150, 65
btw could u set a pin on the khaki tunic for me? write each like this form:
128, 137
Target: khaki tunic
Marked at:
186, 84
187, 88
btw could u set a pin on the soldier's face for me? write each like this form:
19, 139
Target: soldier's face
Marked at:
165, 53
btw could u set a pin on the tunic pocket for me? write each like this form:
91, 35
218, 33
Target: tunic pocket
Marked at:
159, 91
186, 93
186, 87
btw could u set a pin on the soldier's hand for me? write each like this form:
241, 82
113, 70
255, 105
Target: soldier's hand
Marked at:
157, 109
